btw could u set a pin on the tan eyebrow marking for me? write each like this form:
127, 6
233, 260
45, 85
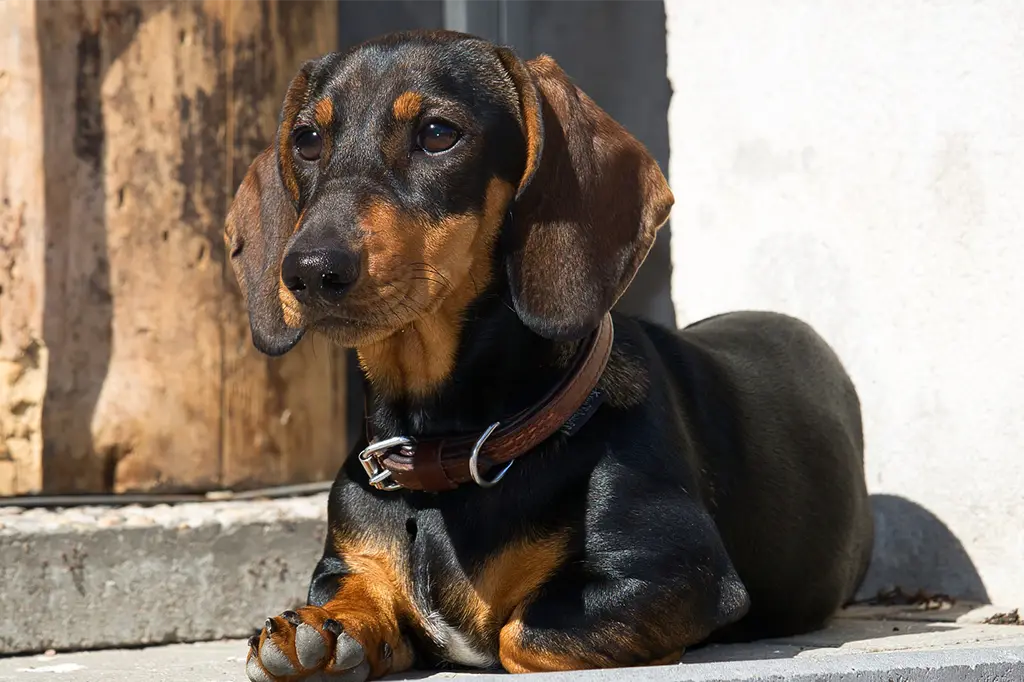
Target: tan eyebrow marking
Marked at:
407, 105
324, 112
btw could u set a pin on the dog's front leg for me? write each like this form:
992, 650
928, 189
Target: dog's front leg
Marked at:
352, 636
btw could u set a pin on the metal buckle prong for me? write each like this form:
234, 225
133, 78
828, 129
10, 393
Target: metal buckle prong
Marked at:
474, 461
370, 459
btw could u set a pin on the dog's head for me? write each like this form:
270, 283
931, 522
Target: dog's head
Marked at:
411, 171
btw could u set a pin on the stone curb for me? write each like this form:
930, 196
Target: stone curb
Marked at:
94, 577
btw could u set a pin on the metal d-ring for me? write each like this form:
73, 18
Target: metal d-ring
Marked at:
474, 461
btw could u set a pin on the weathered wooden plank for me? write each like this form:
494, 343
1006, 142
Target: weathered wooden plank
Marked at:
22, 248
134, 202
284, 418
127, 125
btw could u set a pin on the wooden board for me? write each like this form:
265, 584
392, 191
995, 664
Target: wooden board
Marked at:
149, 113
284, 418
22, 247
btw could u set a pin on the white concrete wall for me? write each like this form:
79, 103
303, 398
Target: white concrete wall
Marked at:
861, 165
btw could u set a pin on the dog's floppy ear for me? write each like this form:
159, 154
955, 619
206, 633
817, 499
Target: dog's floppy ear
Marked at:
258, 227
588, 206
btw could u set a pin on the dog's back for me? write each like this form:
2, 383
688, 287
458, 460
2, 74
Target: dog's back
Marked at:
780, 457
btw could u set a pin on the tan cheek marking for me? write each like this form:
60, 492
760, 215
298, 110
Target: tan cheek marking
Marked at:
407, 106
461, 246
298, 223
392, 238
416, 360
323, 112
289, 306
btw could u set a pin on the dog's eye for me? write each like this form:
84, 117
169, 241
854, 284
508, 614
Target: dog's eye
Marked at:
435, 138
308, 143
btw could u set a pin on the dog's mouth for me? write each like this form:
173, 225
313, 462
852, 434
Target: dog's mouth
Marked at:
372, 311
368, 323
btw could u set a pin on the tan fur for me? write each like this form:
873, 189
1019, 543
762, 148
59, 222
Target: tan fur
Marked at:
407, 106
293, 102
290, 308
427, 302
485, 601
323, 112
374, 600
516, 657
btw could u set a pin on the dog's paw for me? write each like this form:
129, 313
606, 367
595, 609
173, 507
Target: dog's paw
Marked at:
305, 646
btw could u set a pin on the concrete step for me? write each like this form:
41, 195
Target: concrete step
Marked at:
102, 578
98, 577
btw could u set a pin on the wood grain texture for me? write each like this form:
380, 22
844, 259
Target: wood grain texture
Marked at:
22, 248
133, 282
284, 417
121, 308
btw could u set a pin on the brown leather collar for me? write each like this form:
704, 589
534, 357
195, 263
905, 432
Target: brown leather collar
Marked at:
438, 464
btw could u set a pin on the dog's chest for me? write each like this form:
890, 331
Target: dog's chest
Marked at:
444, 596
465, 595
455, 645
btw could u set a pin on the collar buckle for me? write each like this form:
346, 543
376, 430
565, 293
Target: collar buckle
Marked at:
370, 458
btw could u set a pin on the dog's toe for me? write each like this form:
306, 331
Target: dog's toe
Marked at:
310, 646
305, 646
348, 654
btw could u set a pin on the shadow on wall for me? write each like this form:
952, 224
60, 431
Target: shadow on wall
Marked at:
914, 551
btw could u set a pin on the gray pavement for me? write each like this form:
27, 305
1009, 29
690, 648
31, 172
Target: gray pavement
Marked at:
866, 645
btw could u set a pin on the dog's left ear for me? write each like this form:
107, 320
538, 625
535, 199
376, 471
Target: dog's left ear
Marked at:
259, 223
588, 206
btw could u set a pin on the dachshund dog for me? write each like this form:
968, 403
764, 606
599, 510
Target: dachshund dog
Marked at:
544, 485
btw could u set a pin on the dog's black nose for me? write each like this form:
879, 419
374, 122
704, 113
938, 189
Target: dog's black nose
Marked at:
324, 274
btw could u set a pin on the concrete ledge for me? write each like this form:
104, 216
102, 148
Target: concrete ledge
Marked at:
93, 577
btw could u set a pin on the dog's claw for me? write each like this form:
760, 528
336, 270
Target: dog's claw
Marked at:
270, 626
254, 641
292, 618
334, 627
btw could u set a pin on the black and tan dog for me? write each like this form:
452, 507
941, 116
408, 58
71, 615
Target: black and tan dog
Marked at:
466, 221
